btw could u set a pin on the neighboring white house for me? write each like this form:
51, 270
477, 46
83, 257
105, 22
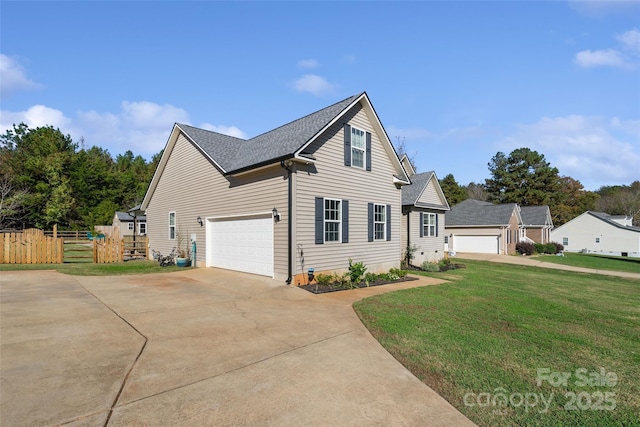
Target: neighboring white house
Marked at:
599, 232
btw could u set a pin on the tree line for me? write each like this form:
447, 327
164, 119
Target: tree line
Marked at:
527, 178
46, 178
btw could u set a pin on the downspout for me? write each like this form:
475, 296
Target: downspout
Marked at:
289, 222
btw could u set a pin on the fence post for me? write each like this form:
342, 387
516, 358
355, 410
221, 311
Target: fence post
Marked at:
55, 231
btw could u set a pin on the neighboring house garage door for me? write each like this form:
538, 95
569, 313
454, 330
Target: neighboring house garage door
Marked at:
241, 243
476, 244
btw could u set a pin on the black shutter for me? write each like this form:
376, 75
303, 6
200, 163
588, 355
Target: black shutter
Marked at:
345, 221
421, 224
368, 153
370, 221
437, 225
347, 145
388, 222
319, 220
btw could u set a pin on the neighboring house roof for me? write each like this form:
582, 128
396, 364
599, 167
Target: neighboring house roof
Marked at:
126, 217
235, 155
536, 216
419, 182
609, 220
471, 212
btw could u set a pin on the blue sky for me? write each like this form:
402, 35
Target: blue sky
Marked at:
457, 81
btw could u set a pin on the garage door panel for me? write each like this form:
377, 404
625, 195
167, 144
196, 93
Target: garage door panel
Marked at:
476, 244
244, 244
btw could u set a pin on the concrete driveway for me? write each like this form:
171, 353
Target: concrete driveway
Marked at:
199, 347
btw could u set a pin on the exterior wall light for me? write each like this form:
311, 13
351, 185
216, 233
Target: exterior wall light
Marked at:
200, 221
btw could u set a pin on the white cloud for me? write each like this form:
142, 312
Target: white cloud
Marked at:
13, 76
590, 149
630, 40
313, 84
630, 43
142, 127
308, 63
596, 58
226, 130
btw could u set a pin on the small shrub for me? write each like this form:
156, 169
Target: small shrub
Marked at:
430, 266
345, 281
324, 279
559, 247
356, 271
409, 254
398, 272
383, 276
370, 278
393, 277
539, 248
549, 248
525, 248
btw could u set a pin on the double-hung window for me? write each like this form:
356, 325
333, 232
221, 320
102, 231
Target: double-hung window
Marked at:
379, 222
143, 228
172, 225
358, 147
565, 241
429, 227
332, 217
130, 226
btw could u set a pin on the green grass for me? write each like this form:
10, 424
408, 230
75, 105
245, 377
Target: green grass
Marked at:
494, 325
90, 269
598, 262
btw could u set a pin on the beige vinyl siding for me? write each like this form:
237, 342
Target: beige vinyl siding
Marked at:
330, 178
191, 186
429, 248
430, 195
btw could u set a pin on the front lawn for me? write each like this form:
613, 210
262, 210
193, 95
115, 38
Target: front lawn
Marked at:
91, 269
484, 340
598, 262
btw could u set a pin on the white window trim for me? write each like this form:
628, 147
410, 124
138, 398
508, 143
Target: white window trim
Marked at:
363, 149
324, 222
426, 225
383, 222
174, 226
140, 225
565, 241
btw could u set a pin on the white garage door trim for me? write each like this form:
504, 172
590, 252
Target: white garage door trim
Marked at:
241, 243
476, 244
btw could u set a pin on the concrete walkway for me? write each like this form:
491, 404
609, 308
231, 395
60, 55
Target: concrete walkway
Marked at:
199, 347
535, 262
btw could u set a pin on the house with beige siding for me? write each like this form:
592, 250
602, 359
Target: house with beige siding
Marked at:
308, 195
126, 223
481, 227
423, 209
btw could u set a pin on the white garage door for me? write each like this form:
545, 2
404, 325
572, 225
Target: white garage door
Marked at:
476, 244
242, 244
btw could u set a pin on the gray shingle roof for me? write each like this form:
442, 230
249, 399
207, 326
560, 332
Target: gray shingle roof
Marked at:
534, 215
236, 154
411, 193
607, 218
125, 216
475, 212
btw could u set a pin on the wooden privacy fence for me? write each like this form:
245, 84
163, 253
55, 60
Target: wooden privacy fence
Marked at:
30, 247
108, 250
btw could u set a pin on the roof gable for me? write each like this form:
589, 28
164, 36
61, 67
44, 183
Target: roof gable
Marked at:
473, 212
235, 155
536, 215
424, 192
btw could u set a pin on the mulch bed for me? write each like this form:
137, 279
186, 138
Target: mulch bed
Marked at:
316, 288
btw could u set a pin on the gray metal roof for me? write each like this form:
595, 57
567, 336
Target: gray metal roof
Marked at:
535, 215
607, 218
236, 154
472, 212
